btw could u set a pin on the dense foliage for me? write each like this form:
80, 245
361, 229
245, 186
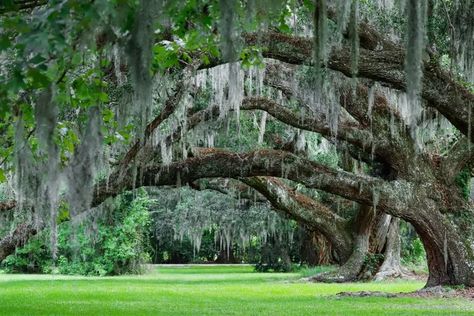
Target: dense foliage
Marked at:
113, 241
191, 226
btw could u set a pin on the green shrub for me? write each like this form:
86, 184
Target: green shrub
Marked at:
414, 252
372, 262
274, 256
34, 257
115, 243
306, 271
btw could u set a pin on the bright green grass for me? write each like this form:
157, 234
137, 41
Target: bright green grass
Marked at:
208, 291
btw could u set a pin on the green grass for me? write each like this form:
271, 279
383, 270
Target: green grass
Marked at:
208, 291
310, 271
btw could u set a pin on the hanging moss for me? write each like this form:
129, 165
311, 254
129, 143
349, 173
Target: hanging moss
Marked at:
227, 29
354, 36
416, 12
344, 9
462, 36
188, 215
320, 34
82, 168
139, 55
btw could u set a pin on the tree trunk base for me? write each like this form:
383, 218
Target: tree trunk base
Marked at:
339, 276
393, 272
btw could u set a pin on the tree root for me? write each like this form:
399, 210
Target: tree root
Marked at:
341, 275
429, 292
393, 272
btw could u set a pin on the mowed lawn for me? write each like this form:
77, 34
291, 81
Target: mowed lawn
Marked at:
205, 290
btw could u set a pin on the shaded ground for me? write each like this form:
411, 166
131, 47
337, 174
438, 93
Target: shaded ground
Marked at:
230, 290
431, 292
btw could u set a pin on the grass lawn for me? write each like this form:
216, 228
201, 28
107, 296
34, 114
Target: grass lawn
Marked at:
208, 291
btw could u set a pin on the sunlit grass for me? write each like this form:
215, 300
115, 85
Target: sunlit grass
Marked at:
208, 291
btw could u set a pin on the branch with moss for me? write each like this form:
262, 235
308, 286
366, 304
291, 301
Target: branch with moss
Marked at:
440, 89
313, 214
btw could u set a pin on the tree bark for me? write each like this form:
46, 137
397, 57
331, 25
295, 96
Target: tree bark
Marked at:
448, 247
352, 268
440, 89
315, 249
306, 211
391, 266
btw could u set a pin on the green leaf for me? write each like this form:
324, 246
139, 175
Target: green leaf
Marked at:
39, 80
3, 178
76, 59
107, 115
103, 97
4, 42
164, 57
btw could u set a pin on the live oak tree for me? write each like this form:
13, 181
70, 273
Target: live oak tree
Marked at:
350, 239
394, 92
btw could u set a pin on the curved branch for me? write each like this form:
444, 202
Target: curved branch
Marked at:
235, 189
440, 89
392, 196
170, 106
313, 214
352, 133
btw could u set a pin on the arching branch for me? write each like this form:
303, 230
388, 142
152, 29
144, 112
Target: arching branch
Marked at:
440, 89
394, 197
347, 131
359, 188
229, 187
307, 211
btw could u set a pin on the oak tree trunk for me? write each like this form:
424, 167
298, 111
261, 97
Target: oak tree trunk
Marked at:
448, 246
391, 266
352, 268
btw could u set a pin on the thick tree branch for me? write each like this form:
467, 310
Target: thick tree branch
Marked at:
169, 108
369, 37
440, 89
352, 133
311, 213
363, 189
229, 187
460, 156
391, 139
